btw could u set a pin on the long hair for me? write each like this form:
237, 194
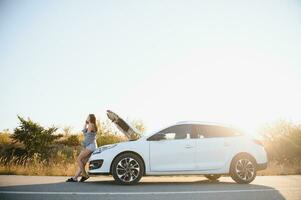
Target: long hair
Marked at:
93, 121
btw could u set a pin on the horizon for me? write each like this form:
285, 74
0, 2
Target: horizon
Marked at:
159, 62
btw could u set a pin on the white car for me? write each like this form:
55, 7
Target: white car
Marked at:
183, 148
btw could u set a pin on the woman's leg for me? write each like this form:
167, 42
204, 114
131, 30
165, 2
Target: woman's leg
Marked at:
84, 154
84, 161
79, 171
77, 174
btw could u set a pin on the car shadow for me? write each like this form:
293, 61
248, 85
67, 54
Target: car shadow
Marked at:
112, 182
147, 186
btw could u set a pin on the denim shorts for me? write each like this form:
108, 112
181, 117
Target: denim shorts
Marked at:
91, 146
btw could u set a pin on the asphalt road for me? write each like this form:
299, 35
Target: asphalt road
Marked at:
150, 188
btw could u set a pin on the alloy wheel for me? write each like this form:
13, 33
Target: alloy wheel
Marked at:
127, 169
245, 169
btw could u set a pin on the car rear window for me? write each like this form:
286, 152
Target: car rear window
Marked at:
211, 131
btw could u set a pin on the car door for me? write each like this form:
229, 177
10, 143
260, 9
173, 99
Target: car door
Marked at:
213, 146
175, 151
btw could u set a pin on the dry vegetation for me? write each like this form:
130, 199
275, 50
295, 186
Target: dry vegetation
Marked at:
275, 168
40, 168
20, 154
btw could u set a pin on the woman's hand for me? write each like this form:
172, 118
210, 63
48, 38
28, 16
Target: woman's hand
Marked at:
91, 127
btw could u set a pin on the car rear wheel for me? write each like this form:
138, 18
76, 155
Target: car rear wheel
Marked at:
213, 177
243, 169
127, 169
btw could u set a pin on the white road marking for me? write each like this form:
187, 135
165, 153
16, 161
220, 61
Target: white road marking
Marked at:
148, 193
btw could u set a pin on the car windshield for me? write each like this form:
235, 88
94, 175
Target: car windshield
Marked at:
154, 131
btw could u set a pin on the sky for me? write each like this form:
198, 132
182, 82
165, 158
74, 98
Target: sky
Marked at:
230, 62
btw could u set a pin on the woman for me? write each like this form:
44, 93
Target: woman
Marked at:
89, 144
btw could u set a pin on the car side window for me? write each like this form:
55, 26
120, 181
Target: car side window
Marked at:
211, 131
177, 132
198, 131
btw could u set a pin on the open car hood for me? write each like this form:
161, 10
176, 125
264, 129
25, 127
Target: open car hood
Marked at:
123, 126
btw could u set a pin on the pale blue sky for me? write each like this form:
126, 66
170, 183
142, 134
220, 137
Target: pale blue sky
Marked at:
234, 62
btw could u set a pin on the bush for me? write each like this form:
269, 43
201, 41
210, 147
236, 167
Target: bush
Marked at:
71, 141
109, 139
13, 154
282, 141
35, 138
5, 138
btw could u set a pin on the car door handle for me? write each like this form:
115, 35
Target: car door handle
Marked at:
188, 146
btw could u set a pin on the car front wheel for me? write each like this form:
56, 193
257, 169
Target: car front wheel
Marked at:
127, 169
243, 169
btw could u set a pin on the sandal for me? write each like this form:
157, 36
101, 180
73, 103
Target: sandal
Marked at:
83, 178
71, 180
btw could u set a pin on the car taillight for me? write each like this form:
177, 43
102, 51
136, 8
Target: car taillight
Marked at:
258, 142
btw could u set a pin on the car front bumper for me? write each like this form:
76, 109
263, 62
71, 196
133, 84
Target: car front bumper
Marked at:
95, 164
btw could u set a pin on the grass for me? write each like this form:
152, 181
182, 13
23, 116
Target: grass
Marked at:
63, 164
36, 168
39, 170
275, 168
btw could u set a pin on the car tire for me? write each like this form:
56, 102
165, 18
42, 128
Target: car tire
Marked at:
127, 169
212, 177
243, 169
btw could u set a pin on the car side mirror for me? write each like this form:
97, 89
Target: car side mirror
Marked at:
157, 137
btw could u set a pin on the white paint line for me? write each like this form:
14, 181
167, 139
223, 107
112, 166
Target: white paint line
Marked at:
147, 193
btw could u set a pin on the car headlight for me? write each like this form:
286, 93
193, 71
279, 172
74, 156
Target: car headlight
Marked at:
103, 148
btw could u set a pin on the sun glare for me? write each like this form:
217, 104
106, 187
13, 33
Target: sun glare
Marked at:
237, 86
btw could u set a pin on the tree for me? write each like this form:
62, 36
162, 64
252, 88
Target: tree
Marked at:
35, 138
282, 141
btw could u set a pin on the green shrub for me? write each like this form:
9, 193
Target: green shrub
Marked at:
35, 138
70, 140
